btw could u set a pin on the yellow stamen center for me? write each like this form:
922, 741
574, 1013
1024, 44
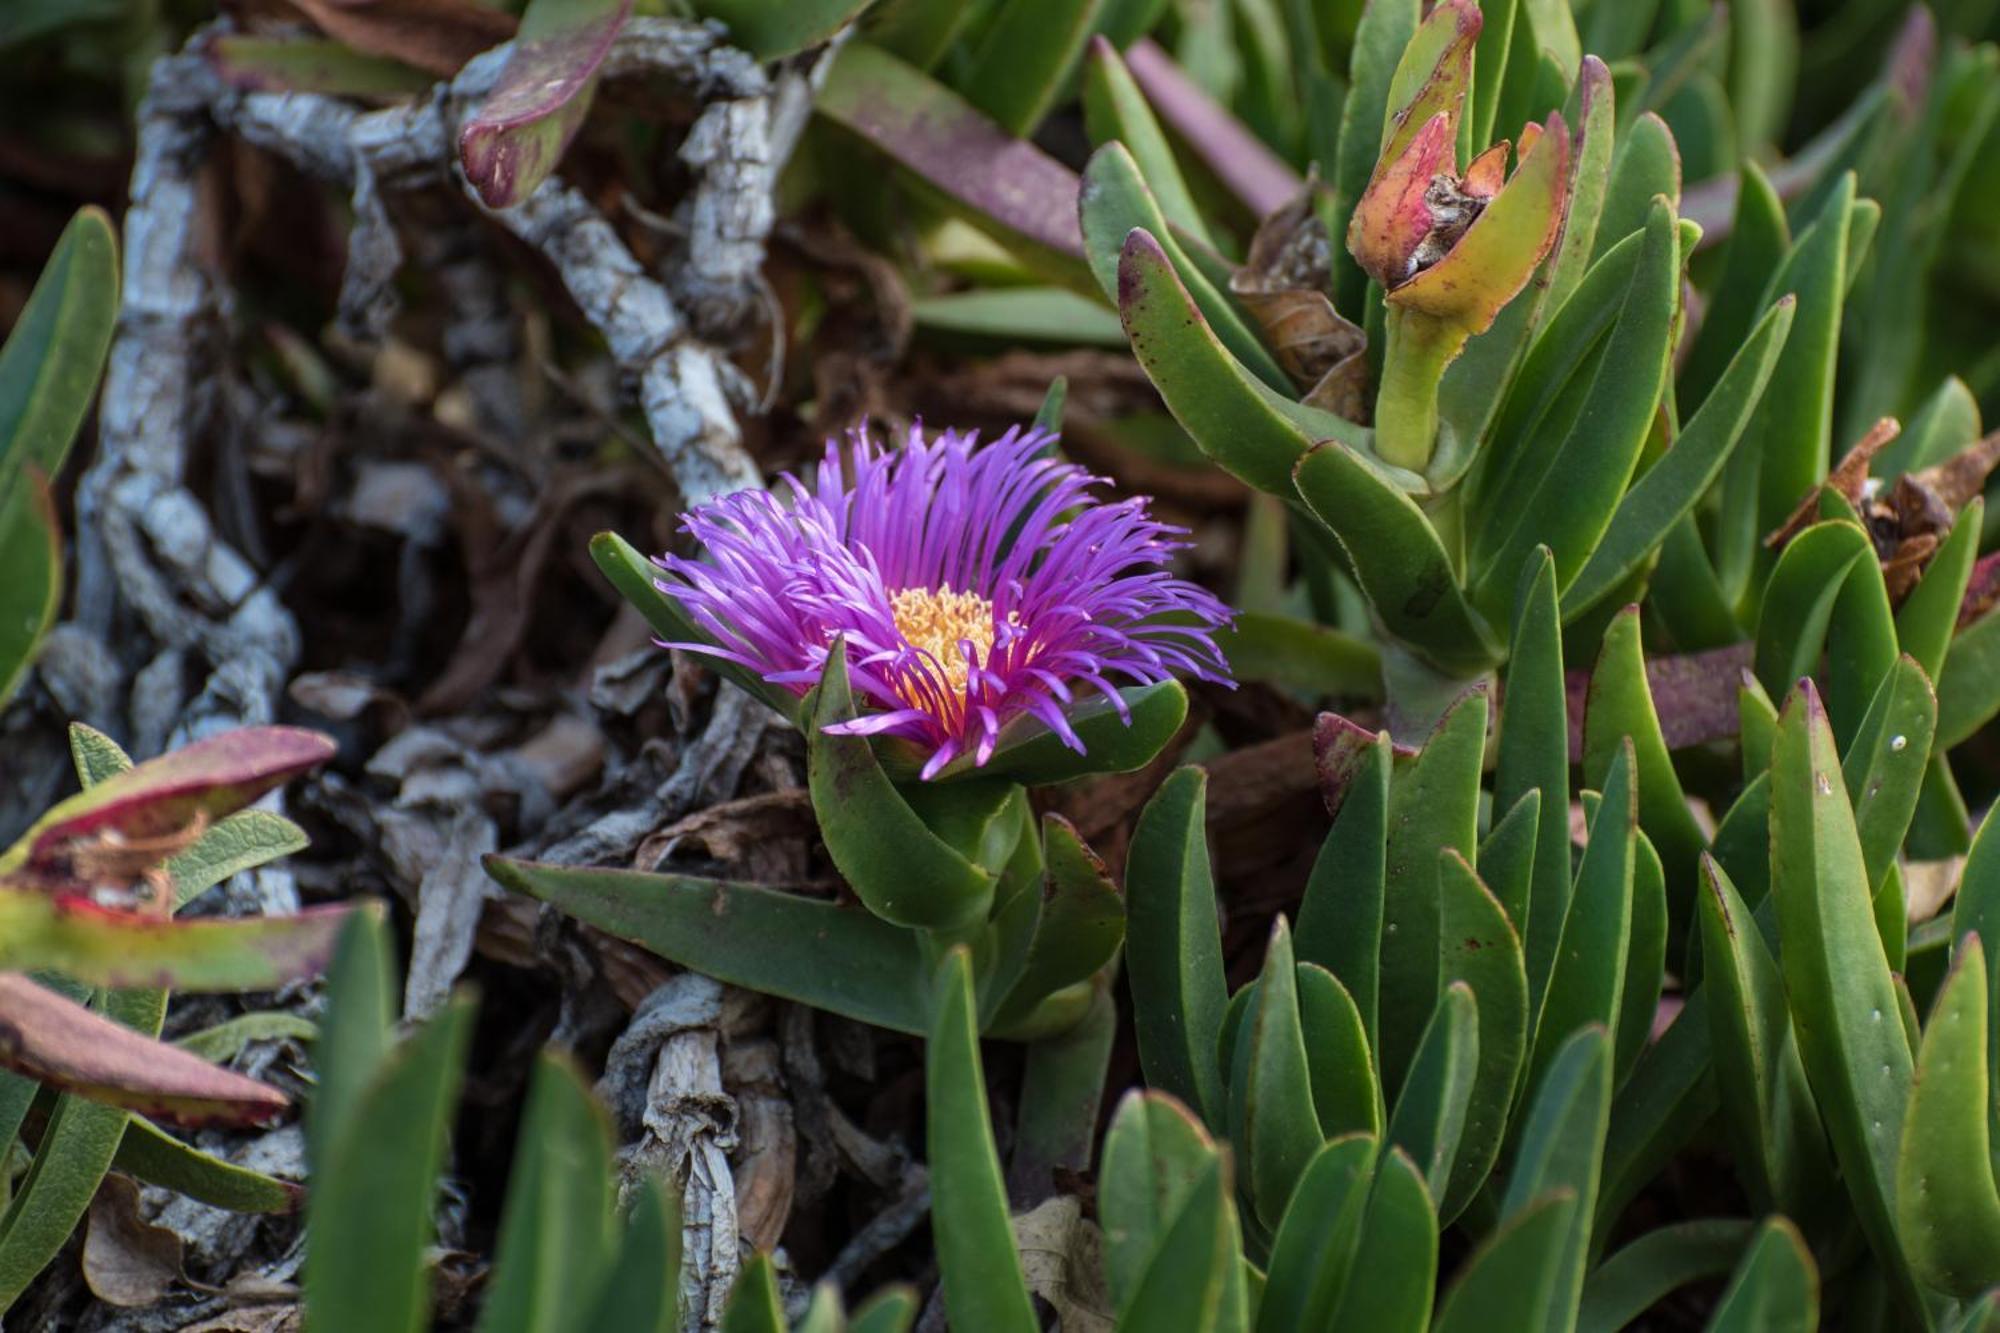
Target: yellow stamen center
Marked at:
935, 620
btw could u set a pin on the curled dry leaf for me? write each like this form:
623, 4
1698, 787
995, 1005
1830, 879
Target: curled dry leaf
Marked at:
127, 1261
1062, 1256
1284, 284
52, 1038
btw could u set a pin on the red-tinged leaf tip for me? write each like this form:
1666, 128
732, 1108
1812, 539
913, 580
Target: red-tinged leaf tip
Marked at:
212, 778
1102, 47
1488, 171
53, 1038
1392, 218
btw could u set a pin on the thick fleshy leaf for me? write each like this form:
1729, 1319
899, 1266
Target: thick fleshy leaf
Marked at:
1318, 660
1481, 950
74, 936
1929, 616
1884, 766
556, 1226
1534, 757
1396, 556
52, 356
1247, 428
1561, 1147
1580, 455
1339, 1060
1595, 108
1621, 706
1767, 1108
1947, 1207
642, 1292
754, 1305
1588, 981
1666, 492
772, 32
1115, 109
1799, 600
1174, 946
1340, 918
1187, 1284
1433, 805
162, 799
1082, 920
1024, 60
1273, 1123
1002, 183
1397, 1253
983, 1287
1509, 1282
1429, 1118
1115, 199
1626, 1286
31, 553
375, 1191
833, 957
907, 874
1154, 1152
1843, 999
1313, 1254
512, 142
1775, 1289
66, 1045
1645, 167
1969, 686
158, 1158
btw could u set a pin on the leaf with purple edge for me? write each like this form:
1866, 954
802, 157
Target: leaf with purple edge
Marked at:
513, 141
1000, 183
165, 797
158, 1158
68, 1046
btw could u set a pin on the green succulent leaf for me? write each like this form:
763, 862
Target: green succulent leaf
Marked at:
1534, 757
375, 1189
1947, 1207
1433, 805
1482, 952
1561, 1147
1338, 1058
1620, 706
1397, 1252
513, 141
1174, 946
1929, 616
754, 1305
772, 32
1768, 1108
1312, 1255
50, 362
984, 1290
1775, 1288
556, 1235
1428, 1121
1397, 557
1340, 918
156, 1157
1587, 984
1115, 110
1628, 1284
1154, 1153
1843, 999
1273, 1122
1509, 1282
828, 955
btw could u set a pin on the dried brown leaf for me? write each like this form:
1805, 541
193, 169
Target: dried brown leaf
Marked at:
127, 1261
438, 36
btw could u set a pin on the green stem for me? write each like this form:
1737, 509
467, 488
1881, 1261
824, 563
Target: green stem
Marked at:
1416, 350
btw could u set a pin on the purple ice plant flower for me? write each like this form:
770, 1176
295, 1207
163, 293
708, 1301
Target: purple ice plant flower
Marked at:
973, 585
